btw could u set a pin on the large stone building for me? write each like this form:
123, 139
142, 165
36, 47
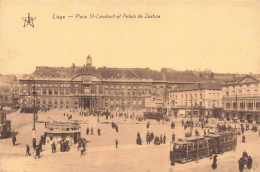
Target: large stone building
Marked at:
241, 99
86, 87
202, 99
9, 91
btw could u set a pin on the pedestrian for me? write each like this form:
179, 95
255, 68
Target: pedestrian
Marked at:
37, 152
243, 139
87, 130
241, 164
161, 139
13, 139
147, 137
34, 143
214, 164
116, 128
173, 137
92, 131
164, 139
53, 147
116, 142
98, 131
249, 162
28, 150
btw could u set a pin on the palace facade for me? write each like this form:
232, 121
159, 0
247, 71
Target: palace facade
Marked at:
241, 99
85, 87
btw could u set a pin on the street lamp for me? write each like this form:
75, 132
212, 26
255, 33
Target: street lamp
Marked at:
34, 111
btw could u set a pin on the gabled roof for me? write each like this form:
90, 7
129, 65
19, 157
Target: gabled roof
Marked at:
248, 79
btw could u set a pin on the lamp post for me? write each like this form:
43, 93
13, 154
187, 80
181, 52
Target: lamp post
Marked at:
236, 113
191, 113
34, 110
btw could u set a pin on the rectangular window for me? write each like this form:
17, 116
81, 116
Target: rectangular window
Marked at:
250, 105
50, 101
55, 102
55, 91
228, 105
257, 105
67, 91
234, 105
242, 105
44, 101
44, 92
61, 102
227, 93
62, 91
50, 91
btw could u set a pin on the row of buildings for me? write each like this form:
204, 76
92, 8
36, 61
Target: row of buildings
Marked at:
140, 89
231, 100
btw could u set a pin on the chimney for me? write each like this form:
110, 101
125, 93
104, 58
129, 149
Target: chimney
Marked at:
73, 65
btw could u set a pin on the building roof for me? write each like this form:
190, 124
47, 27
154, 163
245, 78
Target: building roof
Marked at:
198, 86
115, 74
8, 78
63, 72
248, 79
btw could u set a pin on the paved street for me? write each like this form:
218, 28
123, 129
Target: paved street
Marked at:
101, 153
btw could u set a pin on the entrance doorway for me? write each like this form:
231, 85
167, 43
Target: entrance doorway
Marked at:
86, 103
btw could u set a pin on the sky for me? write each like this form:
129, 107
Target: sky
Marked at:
223, 35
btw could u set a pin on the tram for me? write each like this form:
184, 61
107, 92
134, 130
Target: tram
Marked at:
194, 148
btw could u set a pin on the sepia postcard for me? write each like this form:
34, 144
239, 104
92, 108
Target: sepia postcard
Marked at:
129, 85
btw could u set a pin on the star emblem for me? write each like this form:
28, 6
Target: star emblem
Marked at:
28, 20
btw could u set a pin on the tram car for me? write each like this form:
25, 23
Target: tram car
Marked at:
222, 141
155, 115
5, 126
194, 148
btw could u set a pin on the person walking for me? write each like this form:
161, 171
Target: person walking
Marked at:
164, 139
87, 130
241, 164
116, 142
243, 139
13, 139
37, 152
99, 132
214, 164
92, 132
249, 162
53, 148
173, 137
28, 150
